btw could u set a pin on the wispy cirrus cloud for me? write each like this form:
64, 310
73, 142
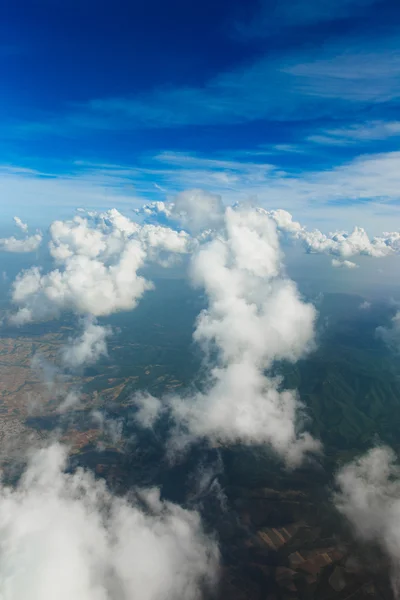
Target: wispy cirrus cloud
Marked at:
373, 179
307, 84
88, 185
288, 87
372, 71
272, 17
357, 133
331, 194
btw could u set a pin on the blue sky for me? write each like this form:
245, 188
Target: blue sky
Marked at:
292, 104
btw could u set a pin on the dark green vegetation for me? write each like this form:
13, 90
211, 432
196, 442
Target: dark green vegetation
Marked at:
351, 384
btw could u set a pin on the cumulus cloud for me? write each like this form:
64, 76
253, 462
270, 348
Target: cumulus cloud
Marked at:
369, 497
156, 212
255, 317
340, 244
88, 347
99, 258
66, 536
343, 264
198, 211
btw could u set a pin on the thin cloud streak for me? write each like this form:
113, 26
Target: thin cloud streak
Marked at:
329, 194
272, 17
308, 84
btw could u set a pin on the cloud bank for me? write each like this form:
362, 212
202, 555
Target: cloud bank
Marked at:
342, 245
66, 536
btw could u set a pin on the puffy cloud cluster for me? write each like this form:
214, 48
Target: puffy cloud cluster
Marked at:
66, 536
99, 257
87, 348
26, 244
156, 212
369, 497
254, 318
341, 244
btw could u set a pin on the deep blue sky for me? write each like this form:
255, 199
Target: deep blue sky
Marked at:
292, 102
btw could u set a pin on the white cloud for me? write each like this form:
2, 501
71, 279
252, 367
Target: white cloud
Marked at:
369, 497
321, 196
58, 386
111, 428
88, 347
255, 317
358, 133
372, 69
285, 86
339, 243
296, 13
343, 264
157, 211
365, 305
13, 244
26, 244
391, 335
197, 210
99, 259
19, 223
149, 408
194, 210
65, 536
93, 187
